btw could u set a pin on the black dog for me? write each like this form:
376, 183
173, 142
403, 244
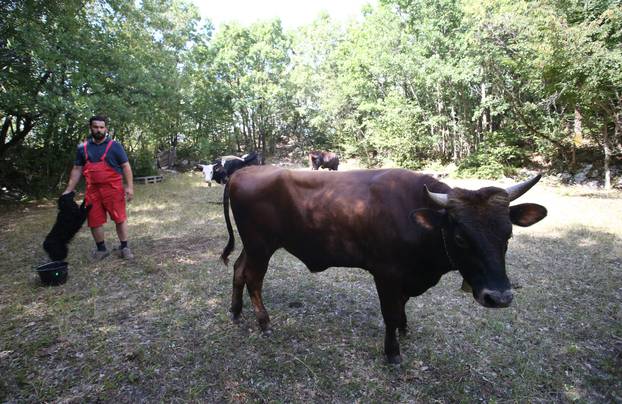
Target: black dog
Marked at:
69, 220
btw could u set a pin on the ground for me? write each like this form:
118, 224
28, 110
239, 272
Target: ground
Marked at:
157, 328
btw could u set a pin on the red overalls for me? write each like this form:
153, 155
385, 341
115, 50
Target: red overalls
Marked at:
104, 190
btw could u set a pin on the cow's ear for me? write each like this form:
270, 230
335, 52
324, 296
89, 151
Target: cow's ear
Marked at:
527, 214
427, 218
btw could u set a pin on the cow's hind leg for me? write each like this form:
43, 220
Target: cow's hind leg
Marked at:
238, 287
254, 271
403, 325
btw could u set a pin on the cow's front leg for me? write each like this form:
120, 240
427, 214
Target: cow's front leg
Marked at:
392, 312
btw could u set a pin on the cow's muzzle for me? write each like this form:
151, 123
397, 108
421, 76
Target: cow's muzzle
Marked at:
495, 298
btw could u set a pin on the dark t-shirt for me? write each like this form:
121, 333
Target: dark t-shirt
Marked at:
115, 157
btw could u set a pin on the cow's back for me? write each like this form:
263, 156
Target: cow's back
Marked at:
351, 218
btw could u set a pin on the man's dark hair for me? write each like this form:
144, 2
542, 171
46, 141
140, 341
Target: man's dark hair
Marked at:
100, 118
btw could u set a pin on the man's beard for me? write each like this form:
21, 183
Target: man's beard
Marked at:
98, 135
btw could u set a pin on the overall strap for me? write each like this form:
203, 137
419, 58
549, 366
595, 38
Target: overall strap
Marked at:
107, 148
86, 154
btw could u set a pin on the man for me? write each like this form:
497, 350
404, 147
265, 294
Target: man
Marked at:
104, 163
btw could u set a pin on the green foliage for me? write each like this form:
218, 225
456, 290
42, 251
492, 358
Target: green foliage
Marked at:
34, 171
143, 163
204, 150
496, 157
482, 84
482, 165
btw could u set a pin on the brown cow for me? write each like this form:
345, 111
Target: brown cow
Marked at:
406, 229
322, 159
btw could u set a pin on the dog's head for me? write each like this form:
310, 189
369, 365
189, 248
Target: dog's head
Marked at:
66, 202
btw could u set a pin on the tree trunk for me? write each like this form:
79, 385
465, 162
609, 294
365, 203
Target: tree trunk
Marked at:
236, 131
607, 151
253, 131
573, 154
263, 147
18, 133
441, 127
454, 135
577, 137
484, 115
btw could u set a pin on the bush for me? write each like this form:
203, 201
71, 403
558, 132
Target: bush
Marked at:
143, 163
35, 172
499, 155
479, 166
202, 150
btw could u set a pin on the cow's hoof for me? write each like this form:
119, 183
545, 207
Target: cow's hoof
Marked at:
394, 360
235, 317
266, 332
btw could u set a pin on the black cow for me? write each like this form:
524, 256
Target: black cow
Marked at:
322, 159
406, 229
230, 164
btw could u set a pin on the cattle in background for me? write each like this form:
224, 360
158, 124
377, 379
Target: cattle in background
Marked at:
208, 172
322, 159
405, 228
224, 167
233, 165
224, 159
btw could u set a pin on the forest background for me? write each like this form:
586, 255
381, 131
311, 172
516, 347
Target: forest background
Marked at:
487, 87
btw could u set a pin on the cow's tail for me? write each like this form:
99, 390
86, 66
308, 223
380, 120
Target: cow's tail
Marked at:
231, 242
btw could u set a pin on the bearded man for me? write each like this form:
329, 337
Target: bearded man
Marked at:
104, 164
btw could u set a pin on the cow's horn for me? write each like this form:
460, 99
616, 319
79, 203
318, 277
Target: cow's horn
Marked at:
517, 190
439, 199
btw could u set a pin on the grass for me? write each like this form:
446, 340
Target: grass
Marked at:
157, 328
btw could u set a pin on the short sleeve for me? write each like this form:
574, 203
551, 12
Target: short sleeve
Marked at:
119, 153
80, 160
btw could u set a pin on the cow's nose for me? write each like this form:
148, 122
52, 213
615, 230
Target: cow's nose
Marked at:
496, 298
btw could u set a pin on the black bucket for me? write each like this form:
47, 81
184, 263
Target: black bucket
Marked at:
53, 273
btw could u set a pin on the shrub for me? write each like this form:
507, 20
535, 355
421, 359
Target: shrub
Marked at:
143, 163
498, 155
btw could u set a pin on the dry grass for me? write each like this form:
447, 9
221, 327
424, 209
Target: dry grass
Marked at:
157, 329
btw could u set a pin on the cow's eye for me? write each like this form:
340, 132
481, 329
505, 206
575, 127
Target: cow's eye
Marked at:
460, 241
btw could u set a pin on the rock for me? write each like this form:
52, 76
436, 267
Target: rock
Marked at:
565, 177
582, 174
592, 184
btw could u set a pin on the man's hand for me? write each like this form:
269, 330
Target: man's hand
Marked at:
129, 193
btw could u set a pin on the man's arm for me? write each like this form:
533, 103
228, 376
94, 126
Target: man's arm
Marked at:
129, 180
74, 178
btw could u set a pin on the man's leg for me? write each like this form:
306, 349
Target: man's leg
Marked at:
123, 250
100, 252
96, 219
98, 233
122, 231
114, 204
